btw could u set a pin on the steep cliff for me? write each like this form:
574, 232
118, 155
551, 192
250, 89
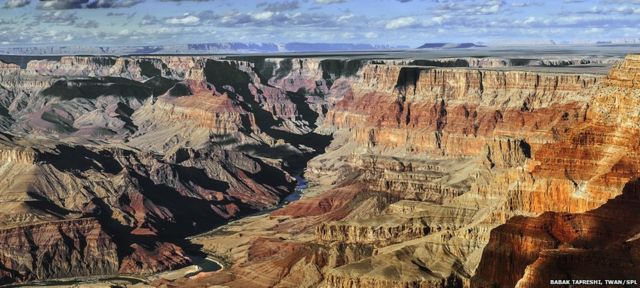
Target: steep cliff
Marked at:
57, 249
600, 158
594, 245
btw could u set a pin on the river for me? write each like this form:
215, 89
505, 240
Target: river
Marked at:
301, 184
199, 265
75, 281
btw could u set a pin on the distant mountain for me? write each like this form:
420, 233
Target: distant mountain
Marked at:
322, 47
258, 47
450, 45
196, 48
620, 43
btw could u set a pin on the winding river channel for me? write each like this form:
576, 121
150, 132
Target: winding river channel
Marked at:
198, 265
301, 184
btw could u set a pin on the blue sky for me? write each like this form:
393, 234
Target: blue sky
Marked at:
393, 22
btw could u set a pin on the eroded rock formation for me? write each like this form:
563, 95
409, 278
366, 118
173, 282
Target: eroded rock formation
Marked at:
414, 163
57, 249
430, 160
595, 245
136, 154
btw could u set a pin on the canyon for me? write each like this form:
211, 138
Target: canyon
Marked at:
458, 171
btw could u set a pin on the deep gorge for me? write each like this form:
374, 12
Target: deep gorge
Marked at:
421, 172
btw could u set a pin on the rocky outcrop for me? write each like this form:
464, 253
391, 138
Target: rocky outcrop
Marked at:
571, 61
149, 260
346, 282
8, 67
198, 111
138, 68
369, 234
506, 152
18, 155
58, 249
625, 73
75, 248
594, 245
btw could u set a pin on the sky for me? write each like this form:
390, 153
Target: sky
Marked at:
387, 22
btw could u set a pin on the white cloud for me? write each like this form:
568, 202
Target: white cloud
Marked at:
608, 10
57, 17
529, 20
16, 3
493, 8
346, 17
439, 19
330, 1
82, 4
371, 35
262, 16
347, 35
401, 22
185, 20
595, 30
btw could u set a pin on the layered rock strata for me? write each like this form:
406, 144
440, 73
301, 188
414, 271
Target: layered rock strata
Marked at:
431, 160
57, 249
425, 162
594, 245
